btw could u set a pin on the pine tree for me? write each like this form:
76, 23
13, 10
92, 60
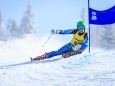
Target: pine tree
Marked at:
83, 14
2, 33
27, 25
12, 29
108, 37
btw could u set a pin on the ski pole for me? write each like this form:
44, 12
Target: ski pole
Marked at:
47, 39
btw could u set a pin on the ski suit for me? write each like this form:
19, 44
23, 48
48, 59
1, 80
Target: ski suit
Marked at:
81, 39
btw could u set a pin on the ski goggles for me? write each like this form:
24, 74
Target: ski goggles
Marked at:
81, 27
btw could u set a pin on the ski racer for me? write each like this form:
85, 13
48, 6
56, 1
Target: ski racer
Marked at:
77, 45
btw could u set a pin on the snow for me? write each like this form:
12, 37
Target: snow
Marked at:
94, 69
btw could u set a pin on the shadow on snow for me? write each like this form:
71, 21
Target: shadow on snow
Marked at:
81, 61
28, 62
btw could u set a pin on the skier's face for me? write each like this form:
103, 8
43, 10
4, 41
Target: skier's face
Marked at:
81, 29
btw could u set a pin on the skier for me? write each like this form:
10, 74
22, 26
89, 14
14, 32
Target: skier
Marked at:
76, 46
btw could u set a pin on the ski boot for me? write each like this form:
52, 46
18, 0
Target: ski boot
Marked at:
68, 54
38, 58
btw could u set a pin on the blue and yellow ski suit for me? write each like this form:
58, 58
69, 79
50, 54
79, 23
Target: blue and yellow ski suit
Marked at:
77, 39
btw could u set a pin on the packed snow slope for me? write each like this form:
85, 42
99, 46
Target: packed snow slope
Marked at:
94, 69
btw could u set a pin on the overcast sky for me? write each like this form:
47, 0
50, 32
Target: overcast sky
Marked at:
51, 14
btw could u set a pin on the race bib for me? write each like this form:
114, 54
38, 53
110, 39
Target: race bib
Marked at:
77, 47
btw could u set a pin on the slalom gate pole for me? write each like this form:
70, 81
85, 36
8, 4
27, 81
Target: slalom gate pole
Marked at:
89, 25
47, 40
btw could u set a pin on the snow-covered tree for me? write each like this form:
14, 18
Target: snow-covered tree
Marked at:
83, 14
2, 32
27, 25
108, 37
0, 22
96, 32
12, 29
102, 36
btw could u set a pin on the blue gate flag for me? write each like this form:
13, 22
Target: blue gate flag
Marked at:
102, 17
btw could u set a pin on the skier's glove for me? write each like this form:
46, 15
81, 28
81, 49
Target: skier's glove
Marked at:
55, 31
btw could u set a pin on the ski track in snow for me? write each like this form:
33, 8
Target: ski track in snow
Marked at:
87, 70
94, 69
